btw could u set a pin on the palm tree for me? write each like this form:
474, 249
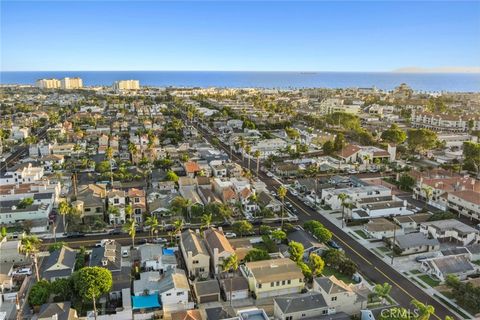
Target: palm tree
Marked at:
64, 208
30, 246
366, 160
152, 222
242, 146
257, 155
231, 263
206, 220
425, 311
129, 210
133, 150
428, 191
343, 197
109, 155
131, 227
248, 149
177, 227
282, 193
114, 211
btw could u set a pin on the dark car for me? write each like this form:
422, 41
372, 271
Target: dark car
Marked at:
115, 231
333, 244
75, 235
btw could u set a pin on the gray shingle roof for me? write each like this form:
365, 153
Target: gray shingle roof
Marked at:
413, 240
301, 302
64, 258
209, 287
192, 242
452, 264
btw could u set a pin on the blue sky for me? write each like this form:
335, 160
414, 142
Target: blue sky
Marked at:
246, 36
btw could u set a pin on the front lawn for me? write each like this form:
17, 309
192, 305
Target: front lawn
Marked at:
327, 272
428, 280
362, 234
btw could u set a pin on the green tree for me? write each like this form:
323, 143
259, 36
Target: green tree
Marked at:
471, 153
307, 272
152, 223
256, 255
131, 227
406, 182
425, 311
394, 135
322, 234
24, 203
339, 142
3, 231
328, 148
242, 227
382, 290
278, 235
39, 293
206, 220
62, 288
296, 251
93, 282
30, 246
316, 264
56, 246
421, 140
172, 176
257, 155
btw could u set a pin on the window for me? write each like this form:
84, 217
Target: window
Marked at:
195, 261
303, 315
289, 318
136, 200
324, 311
283, 282
272, 284
334, 298
179, 293
138, 211
278, 283
168, 294
259, 286
87, 209
116, 201
289, 282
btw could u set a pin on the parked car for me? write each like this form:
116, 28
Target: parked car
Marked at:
101, 243
23, 272
159, 240
115, 231
125, 253
75, 235
230, 235
333, 244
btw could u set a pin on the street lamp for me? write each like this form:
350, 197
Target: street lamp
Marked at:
394, 237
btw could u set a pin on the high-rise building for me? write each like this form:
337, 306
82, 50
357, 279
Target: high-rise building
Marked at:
48, 83
71, 83
126, 85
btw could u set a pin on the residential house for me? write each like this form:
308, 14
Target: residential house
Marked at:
57, 311
287, 169
207, 291
457, 265
451, 230
219, 248
195, 254
341, 297
59, 264
413, 243
269, 278
310, 244
411, 223
308, 305
108, 256
10, 252
174, 291
155, 257
465, 202
234, 288
191, 168
187, 315
372, 192
116, 198
137, 199
265, 200
21, 173
91, 201
381, 228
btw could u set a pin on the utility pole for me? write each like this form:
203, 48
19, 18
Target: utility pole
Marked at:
394, 238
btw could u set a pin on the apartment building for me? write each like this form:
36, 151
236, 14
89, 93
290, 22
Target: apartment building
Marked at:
451, 231
442, 122
126, 85
21, 173
465, 202
48, 83
330, 196
71, 83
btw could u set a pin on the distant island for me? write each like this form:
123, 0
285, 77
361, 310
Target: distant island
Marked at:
438, 70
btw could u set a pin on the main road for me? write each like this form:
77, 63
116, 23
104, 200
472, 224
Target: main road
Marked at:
370, 265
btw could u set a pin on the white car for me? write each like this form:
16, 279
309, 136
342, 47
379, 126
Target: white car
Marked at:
160, 240
125, 253
230, 235
23, 272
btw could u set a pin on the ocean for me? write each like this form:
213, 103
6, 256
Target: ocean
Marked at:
383, 80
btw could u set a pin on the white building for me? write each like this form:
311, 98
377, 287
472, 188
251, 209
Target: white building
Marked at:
20, 133
117, 199
330, 196
48, 83
465, 202
21, 174
268, 147
71, 83
442, 122
126, 85
451, 230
